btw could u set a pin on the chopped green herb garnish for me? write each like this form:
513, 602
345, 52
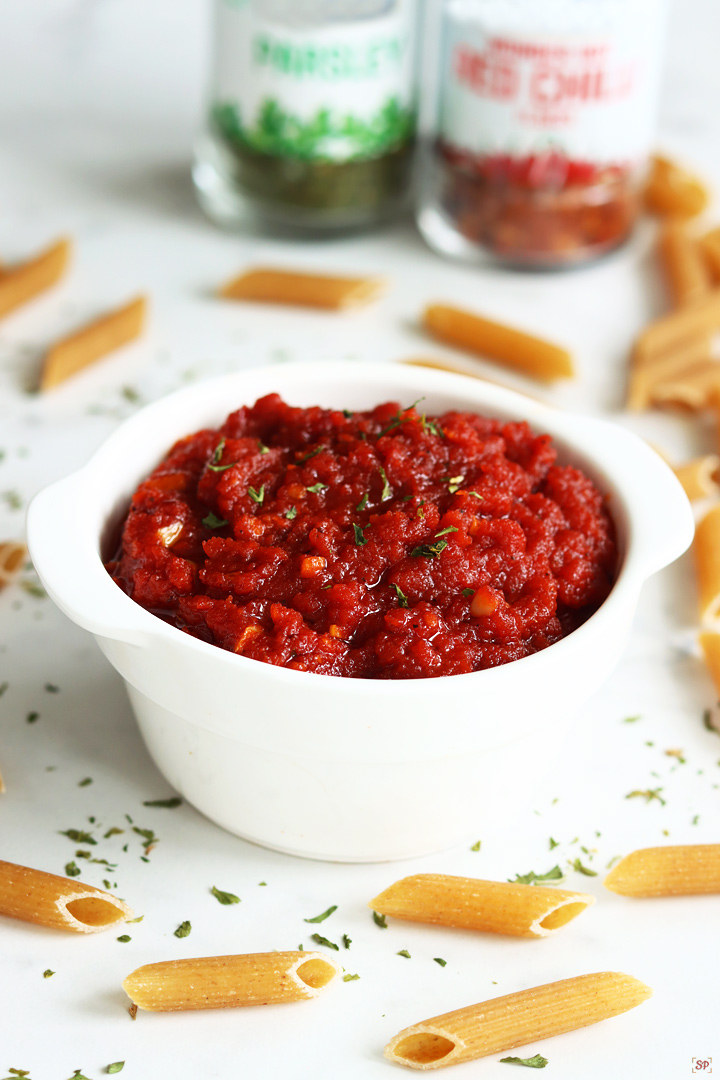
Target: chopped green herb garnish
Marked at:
311, 454
84, 783
347, 414
476, 846
325, 915
32, 717
317, 488
33, 588
430, 551
165, 804
399, 418
555, 874
454, 483
51, 688
350, 978
116, 1067
405, 953
47, 973
224, 897
363, 502
139, 918
347, 941
149, 837
212, 521
695, 819
79, 836
124, 938
554, 843
217, 455
183, 929
444, 532
631, 719
291, 513
19, 1072
402, 598
360, 537
707, 722
431, 425
577, 865
387, 490
468, 592
72, 869
107, 884
380, 920
320, 940
439, 960
420, 513
114, 831
537, 1062
648, 795
3, 687
80, 854
263, 448
257, 494
262, 882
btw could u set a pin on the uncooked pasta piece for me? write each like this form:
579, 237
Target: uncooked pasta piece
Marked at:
699, 476
58, 902
710, 247
673, 191
683, 263
706, 549
271, 286
97, 339
647, 371
694, 389
21, 283
679, 327
679, 870
710, 645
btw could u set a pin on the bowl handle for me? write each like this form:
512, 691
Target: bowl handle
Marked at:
72, 573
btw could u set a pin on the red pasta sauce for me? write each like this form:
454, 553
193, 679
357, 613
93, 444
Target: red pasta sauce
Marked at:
378, 545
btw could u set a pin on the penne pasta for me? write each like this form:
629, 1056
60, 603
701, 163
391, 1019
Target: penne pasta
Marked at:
694, 389
21, 283
58, 902
699, 477
683, 264
494, 341
92, 342
12, 559
706, 549
679, 328
673, 191
647, 372
223, 982
495, 907
710, 645
516, 1020
710, 247
681, 870
269, 286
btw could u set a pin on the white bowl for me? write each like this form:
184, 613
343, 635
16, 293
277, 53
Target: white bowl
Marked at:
327, 767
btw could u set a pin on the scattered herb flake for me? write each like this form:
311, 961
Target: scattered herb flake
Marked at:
262, 882
183, 929
72, 869
405, 953
350, 978
531, 878
165, 804
679, 754
631, 719
47, 973
708, 724
3, 687
325, 915
212, 521
114, 831
257, 494
84, 783
554, 843
695, 819
320, 940
347, 941
399, 418
225, 898
380, 920
291, 513
311, 454
468, 592
13, 499
577, 865
360, 537
537, 1062
317, 488
107, 884
476, 846
454, 483
648, 795
263, 449
429, 551
116, 1067
51, 688
33, 588
439, 960
32, 717
79, 836
387, 490
124, 938
432, 426
363, 502
402, 598
444, 532
149, 837
347, 414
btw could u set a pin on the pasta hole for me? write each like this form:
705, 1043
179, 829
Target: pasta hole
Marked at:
424, 1048
316, 973
93, 911
562, 915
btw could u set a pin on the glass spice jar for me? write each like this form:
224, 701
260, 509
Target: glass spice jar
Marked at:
312, 116
543, 126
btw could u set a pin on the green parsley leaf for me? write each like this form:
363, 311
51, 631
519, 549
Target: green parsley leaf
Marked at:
648, 795
380, 920
360, 537
262, 882
3, 687
33, 588
324, 941
291, 513
387, 490
577, 865
217, 455
139, 918
47, 973
325, 915
149, 837
431, 425
85, 782
444, 532
183, 929
79, 836
399, 418
537, 1062
32, 717
430, 551
51, 688
350, 978
263, 448
124, 938
257, 495
707, 721
347, 941
531, 878
439, 960
405, 953
116, 1067
631, 719
347, 414
454, 483
166, 804
554, 843
224, 897
363, 502
19, 1072
402, 598
317, 488
312, 454
114, 831
468, 592
476, 846
212, 521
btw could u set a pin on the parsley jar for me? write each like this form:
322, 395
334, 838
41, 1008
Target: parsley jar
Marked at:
543, 126
311, 119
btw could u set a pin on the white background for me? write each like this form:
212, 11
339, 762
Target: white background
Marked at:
99, 104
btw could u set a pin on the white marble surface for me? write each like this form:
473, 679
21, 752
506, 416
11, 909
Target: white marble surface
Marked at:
99, 104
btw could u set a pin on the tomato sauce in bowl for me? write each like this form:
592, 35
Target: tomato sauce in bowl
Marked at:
379, 545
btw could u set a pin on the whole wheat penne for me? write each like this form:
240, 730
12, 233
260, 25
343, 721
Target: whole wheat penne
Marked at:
683, 263
706, 549
680, 870
647, 372
699, 476
224, 982
494, 341
710, 645
92, 342
679, 327
12, 559
516, 1020
710, 247
58, 902
270, 286
695, 389
495, 907
21, 283
673, 191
